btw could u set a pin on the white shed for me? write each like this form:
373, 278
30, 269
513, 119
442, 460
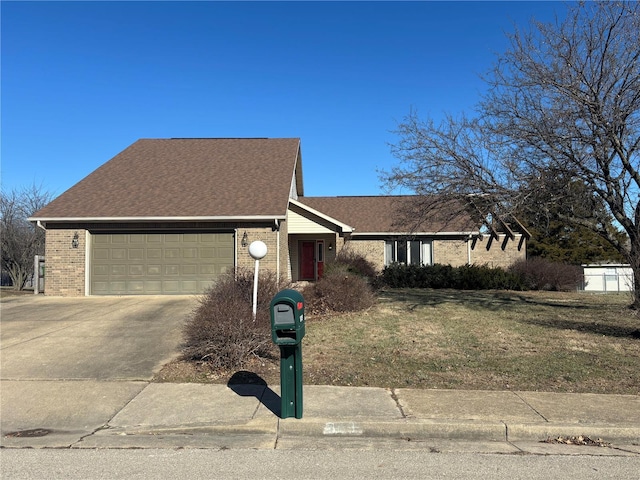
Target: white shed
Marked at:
607, 278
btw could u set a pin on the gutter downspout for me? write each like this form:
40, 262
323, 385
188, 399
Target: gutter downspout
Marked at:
277, 223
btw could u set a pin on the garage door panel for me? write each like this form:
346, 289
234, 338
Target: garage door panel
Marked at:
190, 253
136, 254
159, 263
136, 270
189, 269
100, 270
118, 270
154, 270
118, 254
172, 270
171, 286
100, 288
208, 269
101, 253
153, 287
154, 253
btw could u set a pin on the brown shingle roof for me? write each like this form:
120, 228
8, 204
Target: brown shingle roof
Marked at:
186, 178
382, 214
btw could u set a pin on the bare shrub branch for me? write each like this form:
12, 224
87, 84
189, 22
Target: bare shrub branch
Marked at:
20, 240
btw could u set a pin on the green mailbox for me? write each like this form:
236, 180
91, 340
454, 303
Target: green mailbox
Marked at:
287, 317
287, 330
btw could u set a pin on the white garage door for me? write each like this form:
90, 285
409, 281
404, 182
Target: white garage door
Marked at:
158, 263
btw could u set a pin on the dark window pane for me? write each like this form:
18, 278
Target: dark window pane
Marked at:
415, 252
402, 252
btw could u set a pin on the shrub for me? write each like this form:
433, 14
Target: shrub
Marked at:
467, 277
541, 274
221, 330
338, 291
483, 277
348, 261
417, 276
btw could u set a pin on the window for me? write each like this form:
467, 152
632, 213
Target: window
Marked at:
409, 252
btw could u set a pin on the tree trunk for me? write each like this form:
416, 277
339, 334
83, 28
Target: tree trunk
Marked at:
634, 262
18, 277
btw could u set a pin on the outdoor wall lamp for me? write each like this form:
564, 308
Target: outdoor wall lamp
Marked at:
330, 246
75, 240
245, 239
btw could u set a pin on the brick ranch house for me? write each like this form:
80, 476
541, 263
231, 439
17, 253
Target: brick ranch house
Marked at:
167, 216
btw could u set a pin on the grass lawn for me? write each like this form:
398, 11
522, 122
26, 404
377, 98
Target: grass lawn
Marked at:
545, 341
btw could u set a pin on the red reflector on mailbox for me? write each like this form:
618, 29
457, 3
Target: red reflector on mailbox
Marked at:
300, 305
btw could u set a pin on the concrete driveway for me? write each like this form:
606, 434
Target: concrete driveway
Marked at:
90, 338
68, 365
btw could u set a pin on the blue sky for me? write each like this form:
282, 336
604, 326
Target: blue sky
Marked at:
81, 81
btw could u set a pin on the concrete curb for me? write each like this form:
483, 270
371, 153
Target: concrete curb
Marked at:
492, 432
403, 430
608, 433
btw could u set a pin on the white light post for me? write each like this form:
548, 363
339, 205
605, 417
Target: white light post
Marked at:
257, 250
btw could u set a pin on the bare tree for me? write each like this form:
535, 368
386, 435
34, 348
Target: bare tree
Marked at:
562, 105
20, 240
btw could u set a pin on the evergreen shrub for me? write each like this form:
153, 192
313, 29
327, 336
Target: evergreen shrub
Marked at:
467, 277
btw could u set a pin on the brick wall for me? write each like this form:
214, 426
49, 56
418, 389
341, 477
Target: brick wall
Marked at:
485, 251
65, 265
452, 252
270, 239
501, 253
372, 250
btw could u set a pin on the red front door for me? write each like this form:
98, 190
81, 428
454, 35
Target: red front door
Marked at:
307, 261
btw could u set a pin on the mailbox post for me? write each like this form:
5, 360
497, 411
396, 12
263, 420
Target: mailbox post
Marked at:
287, 330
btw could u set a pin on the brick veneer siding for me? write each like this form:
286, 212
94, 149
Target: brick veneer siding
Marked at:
270, 239
65, 266
452, 252
496, 256
372, 250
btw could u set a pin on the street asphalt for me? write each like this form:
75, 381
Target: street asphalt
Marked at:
67, 381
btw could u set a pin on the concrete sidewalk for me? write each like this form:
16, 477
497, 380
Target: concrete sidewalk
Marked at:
91, 414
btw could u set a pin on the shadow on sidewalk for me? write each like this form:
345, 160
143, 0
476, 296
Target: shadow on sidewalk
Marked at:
249, 384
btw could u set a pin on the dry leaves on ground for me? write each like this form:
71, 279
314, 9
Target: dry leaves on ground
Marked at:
579, 440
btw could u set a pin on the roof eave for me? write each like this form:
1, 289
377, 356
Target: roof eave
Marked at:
230, 218
417, 234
